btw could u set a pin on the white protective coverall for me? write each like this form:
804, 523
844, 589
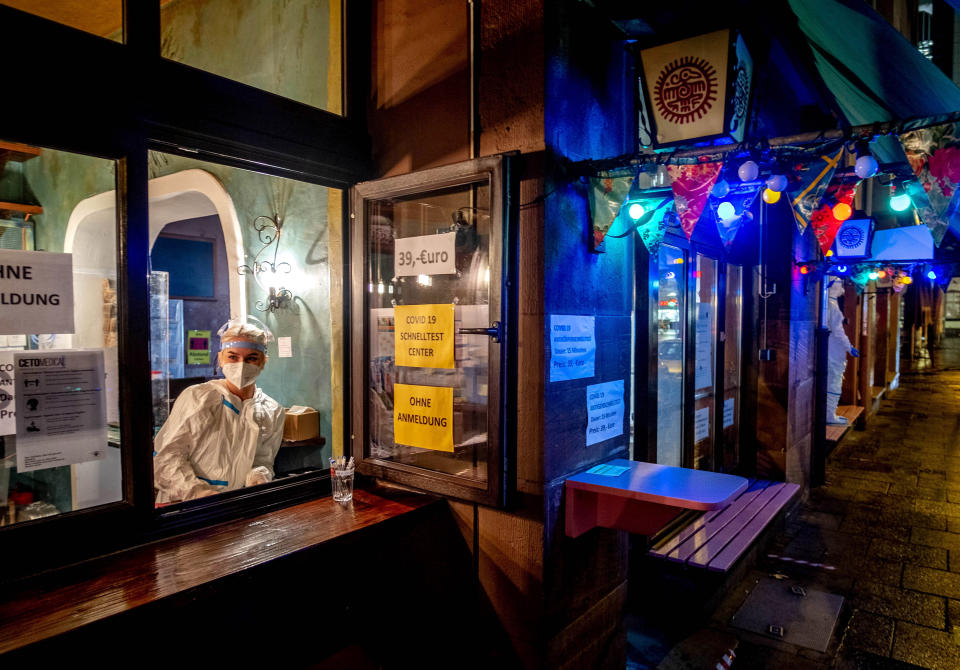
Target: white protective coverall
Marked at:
213, 441
839, 347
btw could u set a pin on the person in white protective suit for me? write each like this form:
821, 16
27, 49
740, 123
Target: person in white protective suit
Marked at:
839, 347
223, 434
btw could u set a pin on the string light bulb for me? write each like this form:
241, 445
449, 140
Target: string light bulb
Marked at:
635, 211
866, 165
842, 211
726, 212
748, 170
777, 183
770, 196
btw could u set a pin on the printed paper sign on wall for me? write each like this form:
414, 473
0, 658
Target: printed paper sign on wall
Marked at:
36, 292
423, 416
8, 412
424, 335
198, 347
604, 411
573, 347
61, 413
425, 255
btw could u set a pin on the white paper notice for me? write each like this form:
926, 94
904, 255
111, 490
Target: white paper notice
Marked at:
604, 411
285, 347
701, 424
573, 347
704, 353
729, 407
36, 292
425, 255
61, 412
8, 413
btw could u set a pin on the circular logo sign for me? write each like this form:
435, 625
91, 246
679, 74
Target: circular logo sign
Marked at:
851, 237
685, 90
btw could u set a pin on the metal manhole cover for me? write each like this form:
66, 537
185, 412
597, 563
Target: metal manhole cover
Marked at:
787, 611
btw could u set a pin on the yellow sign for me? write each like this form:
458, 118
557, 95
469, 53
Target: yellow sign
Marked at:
423, 416
424, 336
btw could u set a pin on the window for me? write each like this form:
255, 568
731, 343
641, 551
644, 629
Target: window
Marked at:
432, 343
103, 18
250, 250
99, 179
59, 366
290, 48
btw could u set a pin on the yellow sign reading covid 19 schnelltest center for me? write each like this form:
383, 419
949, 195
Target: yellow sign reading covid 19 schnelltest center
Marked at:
424, 336
423, 416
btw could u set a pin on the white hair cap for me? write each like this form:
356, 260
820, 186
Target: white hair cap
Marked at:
245, 329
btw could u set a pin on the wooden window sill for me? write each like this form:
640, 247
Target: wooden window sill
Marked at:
63, 601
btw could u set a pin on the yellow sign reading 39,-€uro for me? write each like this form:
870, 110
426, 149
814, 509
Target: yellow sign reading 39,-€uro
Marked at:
423, 416
424, 335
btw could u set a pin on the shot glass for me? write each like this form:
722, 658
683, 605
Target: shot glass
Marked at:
341, 477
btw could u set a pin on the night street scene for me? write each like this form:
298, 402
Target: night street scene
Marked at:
512, 334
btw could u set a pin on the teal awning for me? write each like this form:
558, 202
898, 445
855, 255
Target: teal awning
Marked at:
873, 73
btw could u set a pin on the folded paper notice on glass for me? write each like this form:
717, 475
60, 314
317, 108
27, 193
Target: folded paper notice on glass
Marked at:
301, 423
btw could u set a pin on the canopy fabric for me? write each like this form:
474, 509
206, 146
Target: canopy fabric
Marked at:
872, 71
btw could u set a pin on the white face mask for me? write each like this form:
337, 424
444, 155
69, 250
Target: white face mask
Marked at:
241, 375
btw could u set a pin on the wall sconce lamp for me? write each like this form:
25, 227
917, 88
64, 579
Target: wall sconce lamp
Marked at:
269, 274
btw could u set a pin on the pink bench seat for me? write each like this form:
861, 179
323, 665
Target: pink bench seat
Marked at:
717, 539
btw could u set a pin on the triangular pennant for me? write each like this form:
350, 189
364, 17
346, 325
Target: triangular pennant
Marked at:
606, 195
691, 186
934, 155
651, 230
825, 224
806, 184
741, 197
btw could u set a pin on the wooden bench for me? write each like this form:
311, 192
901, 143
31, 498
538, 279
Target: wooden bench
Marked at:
716, 540
851, 413
643, 497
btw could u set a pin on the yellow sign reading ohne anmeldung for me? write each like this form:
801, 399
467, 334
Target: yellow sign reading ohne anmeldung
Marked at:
423, 416
424, 336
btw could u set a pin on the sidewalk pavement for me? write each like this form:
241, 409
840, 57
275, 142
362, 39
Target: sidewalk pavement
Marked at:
884, 532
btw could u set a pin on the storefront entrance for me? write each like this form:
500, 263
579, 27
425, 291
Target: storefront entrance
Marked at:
696, 326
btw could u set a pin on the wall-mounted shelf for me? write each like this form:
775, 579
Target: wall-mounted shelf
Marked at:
17, 153
19, 207
643, 497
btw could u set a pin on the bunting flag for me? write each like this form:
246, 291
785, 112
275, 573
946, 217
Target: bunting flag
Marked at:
825, 224
606, 195
652, 226
806, 184
934, 155
741, 196
691, 186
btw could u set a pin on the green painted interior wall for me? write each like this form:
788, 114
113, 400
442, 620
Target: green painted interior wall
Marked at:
280, 46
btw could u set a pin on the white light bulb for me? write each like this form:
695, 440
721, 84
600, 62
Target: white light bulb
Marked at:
635, 211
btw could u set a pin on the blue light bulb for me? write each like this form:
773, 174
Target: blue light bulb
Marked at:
635, 211
726, 211
932, 274
900, 202
841, 268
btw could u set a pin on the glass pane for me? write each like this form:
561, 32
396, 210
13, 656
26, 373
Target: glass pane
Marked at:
290, 48
670, 340
253, 253
705, 357
731, 368
59, 402
103, 18
429, 276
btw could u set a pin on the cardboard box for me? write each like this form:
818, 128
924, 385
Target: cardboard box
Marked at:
301, 423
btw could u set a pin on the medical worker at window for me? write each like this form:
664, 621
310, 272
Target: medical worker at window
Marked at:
225, 433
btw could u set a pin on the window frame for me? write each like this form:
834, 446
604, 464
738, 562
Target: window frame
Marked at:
496, 171
145, 102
